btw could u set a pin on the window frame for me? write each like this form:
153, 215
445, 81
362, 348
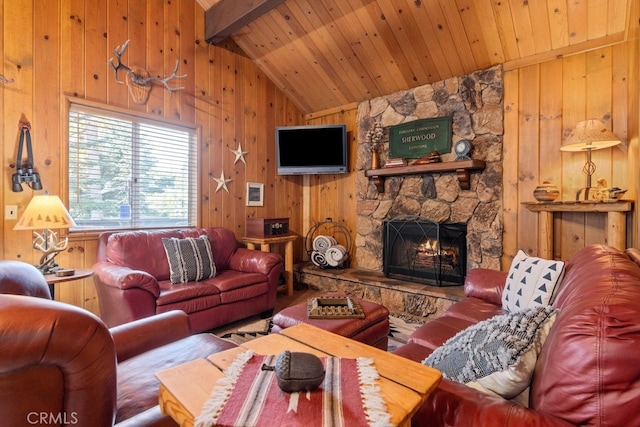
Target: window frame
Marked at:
131, 115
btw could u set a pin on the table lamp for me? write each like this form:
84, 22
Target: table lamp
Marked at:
46, 213
587, 136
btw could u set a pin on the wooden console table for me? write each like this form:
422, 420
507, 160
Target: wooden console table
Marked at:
265, 246
616, 220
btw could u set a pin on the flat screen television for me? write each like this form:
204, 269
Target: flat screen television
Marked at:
314, 149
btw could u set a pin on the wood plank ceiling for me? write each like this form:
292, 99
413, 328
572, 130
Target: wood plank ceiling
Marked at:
330, 53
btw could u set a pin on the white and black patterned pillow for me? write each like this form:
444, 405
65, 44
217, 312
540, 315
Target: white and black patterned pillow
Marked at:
498, 355
190, 259
531, 282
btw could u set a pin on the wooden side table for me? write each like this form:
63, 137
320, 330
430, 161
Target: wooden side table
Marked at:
616, 220
265, 246
52, 279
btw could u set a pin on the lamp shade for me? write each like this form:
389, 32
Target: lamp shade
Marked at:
45, 212
590, 134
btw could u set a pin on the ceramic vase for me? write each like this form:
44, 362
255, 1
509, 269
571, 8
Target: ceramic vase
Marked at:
546, 192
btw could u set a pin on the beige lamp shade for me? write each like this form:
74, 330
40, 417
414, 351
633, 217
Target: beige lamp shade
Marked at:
45, 212
590, 134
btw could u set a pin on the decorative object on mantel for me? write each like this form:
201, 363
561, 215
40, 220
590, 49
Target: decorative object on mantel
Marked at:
462, 149
374, 137
418, 138
394, 162
138, 80
587, 136
546, 192
432, 157
328, 244
239, 154
222, 182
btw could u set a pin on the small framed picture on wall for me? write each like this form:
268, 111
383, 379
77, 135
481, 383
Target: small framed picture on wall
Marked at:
255, 194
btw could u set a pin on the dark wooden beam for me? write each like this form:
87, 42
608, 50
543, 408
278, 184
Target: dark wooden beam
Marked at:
228, 16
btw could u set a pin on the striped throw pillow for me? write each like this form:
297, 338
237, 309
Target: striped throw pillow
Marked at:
190, 259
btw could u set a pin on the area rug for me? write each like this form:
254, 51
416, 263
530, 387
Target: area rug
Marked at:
401, 327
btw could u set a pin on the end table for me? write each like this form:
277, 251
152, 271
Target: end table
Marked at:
265, 246
52, 279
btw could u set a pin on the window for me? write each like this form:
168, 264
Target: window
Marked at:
130, 171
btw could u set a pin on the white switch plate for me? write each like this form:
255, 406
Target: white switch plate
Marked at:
10, 212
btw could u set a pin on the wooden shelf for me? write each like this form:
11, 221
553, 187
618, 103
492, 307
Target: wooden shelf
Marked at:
462, 168
580, 206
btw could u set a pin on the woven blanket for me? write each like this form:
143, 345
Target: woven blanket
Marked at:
248, 396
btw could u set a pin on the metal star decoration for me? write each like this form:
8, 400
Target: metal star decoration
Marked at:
239, 154
222, 182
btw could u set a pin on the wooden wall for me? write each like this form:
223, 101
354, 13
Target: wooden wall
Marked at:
58, 48
543, 102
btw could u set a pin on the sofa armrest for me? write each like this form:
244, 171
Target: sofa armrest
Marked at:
254, 261
485, 284
117, 276
455, 404
142, 335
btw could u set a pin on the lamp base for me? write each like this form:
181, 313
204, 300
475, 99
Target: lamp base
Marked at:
586, 191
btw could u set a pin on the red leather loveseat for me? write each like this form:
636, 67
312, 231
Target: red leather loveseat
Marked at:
588, 370
132, 278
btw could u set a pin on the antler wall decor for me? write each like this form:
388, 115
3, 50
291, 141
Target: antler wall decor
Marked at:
138, 79
4, 79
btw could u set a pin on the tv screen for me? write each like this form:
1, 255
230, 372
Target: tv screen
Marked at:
318, 149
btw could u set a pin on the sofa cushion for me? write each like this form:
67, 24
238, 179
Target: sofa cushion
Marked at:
531, 282
190, 259
141, 250
497, 355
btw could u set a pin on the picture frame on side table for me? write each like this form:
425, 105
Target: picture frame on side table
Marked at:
255, 194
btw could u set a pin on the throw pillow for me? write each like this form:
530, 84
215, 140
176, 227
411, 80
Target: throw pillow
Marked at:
531, 282
190, 259
498, 355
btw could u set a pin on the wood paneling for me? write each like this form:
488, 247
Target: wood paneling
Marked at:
378, 47
62, 50
552, 97
310, 62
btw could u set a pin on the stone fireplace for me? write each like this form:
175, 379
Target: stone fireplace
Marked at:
420, 250
475, 103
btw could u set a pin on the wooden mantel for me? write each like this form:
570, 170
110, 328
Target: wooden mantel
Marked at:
616, 220
461, 167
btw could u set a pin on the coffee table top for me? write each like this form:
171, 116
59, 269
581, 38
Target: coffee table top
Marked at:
404, 384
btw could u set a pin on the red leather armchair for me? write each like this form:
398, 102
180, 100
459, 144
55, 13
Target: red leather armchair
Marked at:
60, 365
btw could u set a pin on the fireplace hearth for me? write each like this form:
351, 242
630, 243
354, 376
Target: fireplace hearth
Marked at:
424, 251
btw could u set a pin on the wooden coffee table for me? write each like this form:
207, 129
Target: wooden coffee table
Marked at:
404, 384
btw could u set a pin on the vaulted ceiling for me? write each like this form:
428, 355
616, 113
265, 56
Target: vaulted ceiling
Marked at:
328, 53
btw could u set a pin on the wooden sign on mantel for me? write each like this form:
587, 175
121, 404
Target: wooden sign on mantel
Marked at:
418, 138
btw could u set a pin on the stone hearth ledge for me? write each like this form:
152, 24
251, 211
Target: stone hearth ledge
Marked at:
414, 300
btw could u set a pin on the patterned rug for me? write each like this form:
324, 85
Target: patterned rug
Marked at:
401, 327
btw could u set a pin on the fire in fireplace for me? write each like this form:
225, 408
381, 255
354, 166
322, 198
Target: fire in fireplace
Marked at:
424, 251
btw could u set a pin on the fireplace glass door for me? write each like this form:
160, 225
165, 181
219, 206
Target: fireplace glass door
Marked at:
424, 251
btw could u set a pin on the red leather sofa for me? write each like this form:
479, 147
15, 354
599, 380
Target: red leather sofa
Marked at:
60, 365
132, 279
588, 371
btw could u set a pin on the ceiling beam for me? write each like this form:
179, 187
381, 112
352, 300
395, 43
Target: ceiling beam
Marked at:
228, 16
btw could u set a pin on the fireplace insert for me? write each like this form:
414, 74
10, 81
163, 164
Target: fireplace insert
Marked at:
420, 250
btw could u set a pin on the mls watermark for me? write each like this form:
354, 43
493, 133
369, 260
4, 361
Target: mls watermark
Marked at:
50, 418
